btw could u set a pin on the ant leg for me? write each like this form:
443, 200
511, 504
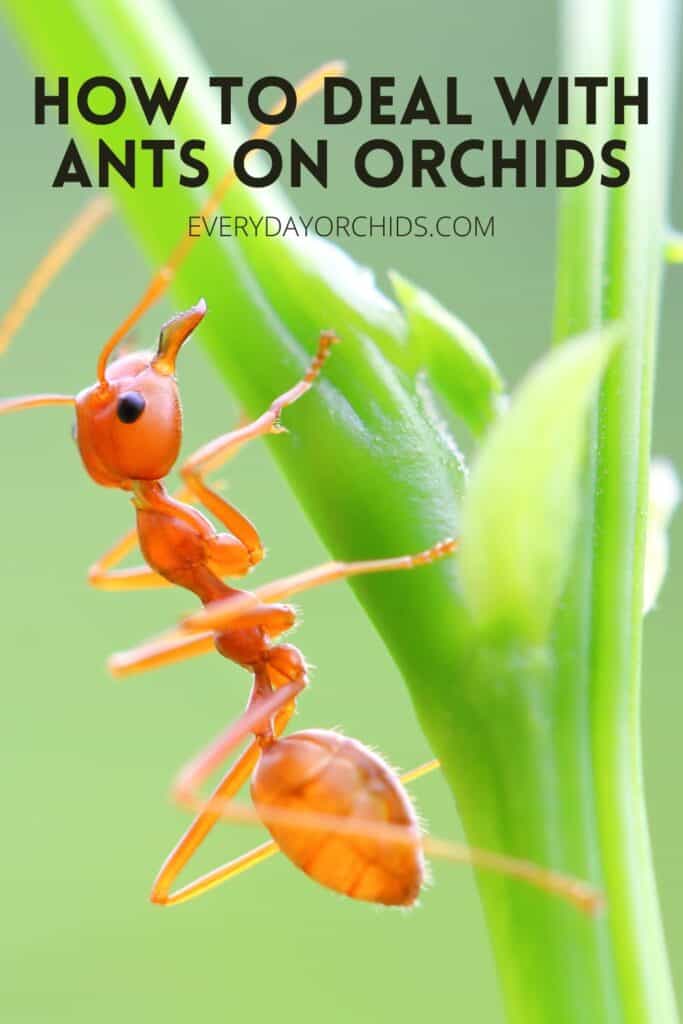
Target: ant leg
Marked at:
281, 706
580, 894
217, 452
217, 876
104, 576
200, 828
574, 891
257, 855
220, 614
419, 773
166, 649
177, 645
59, 253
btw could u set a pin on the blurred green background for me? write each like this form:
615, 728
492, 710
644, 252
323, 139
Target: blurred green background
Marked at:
87, 762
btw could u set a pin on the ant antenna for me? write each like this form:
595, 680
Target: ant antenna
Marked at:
305, 90
59, 253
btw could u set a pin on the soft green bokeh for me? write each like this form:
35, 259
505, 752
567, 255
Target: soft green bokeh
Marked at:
86, 761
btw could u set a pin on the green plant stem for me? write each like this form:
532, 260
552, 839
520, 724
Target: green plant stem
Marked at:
545, 749
611, 264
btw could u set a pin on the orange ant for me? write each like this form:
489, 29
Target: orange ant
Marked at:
332, 806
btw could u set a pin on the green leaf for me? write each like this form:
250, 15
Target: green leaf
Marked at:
521, 506
464, 372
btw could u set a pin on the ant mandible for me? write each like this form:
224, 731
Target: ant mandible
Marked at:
332, 806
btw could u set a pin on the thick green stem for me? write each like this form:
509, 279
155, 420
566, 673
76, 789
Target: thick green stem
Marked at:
560, 748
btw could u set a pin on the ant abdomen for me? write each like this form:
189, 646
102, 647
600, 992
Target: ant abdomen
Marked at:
320, 773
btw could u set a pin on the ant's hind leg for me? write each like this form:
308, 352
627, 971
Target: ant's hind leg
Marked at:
582, 895
216, 453
195, 835
280, 706
219, 803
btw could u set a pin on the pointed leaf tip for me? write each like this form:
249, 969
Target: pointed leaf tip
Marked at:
457, 362
521, 506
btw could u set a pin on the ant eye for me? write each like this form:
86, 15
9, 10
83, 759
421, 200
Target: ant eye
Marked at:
130, 407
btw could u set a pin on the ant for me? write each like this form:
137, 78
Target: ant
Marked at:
335, 808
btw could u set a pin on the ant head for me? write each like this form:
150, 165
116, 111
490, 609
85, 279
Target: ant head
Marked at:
129, 424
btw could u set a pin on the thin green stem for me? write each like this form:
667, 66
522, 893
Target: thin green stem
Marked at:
618, 277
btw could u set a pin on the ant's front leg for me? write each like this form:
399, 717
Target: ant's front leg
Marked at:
226, 555
216, 453
103, 575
